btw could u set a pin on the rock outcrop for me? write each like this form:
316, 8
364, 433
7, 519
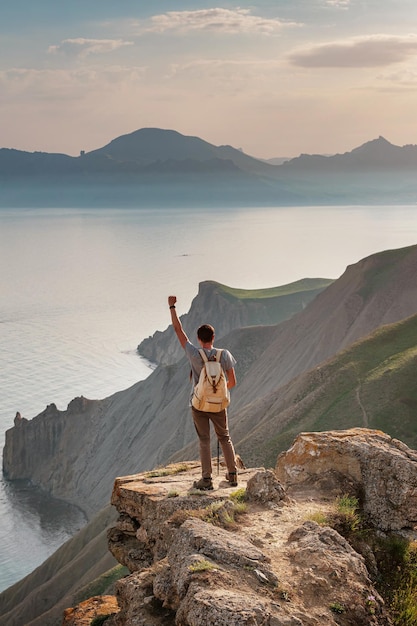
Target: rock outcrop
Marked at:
273, 567
380, 470
250, 555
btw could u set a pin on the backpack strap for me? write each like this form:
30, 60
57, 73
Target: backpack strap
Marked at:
204, 355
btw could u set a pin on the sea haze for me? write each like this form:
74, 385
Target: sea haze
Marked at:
82, 287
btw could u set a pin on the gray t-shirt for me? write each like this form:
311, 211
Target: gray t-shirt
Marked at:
227, 360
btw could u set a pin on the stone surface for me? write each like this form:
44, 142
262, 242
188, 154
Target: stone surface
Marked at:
380, 470
272, 568
149, 500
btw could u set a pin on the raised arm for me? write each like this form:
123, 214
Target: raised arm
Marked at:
179, 331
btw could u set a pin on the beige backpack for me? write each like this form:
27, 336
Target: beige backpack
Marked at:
211, 393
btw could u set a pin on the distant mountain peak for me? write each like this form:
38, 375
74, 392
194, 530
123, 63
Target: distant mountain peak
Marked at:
375, 144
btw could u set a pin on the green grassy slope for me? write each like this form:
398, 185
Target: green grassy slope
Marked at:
305, 284
371, 384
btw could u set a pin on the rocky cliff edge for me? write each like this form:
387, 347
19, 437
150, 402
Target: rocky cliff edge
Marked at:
253, 555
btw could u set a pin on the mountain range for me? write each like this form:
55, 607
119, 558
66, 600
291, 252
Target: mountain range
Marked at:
345, 359
156, 166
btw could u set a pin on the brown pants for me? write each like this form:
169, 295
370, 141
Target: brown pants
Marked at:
202, 421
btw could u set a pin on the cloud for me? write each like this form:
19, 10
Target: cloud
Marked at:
52, 85
406, 78
216, 20
343, 4
83, 47
226, 72
372, 51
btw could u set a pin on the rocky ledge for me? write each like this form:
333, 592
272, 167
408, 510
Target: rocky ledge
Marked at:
253, 555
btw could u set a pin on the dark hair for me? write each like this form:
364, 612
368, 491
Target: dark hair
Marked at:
205, 333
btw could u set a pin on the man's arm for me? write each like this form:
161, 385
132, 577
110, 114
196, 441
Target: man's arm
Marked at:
231, 378
179, 331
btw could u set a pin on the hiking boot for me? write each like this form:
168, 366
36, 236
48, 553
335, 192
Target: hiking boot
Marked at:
232, 478
204, 484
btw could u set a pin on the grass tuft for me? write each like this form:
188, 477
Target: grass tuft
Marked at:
167, 471
201, 566
219, 513
239, 495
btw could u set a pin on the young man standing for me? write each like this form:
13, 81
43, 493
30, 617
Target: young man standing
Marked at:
202, 419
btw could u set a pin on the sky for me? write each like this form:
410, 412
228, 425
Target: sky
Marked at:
276, 78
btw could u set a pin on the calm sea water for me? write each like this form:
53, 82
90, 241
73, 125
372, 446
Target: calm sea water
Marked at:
81, 288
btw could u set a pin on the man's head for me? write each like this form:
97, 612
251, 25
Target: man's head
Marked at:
205, 333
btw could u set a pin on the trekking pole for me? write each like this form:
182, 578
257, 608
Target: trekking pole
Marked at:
218, 457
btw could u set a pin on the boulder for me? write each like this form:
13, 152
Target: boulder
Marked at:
265, 487
379, 470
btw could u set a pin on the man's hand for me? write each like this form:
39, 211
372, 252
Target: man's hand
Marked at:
172, 300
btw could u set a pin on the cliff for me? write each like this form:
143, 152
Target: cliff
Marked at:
227, 309
255, 556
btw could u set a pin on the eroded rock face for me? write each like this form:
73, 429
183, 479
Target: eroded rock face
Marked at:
271, 569
381, 471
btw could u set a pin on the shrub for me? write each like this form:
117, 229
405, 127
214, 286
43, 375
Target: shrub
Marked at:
239, 495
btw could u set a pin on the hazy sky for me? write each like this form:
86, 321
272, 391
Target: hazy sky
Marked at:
273, 77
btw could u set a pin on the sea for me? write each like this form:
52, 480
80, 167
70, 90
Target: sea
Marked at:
80, 288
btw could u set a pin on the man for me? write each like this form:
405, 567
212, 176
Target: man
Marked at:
202, 419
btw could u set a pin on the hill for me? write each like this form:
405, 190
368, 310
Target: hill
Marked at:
153, 167
375, 155
155, 146
372, 384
